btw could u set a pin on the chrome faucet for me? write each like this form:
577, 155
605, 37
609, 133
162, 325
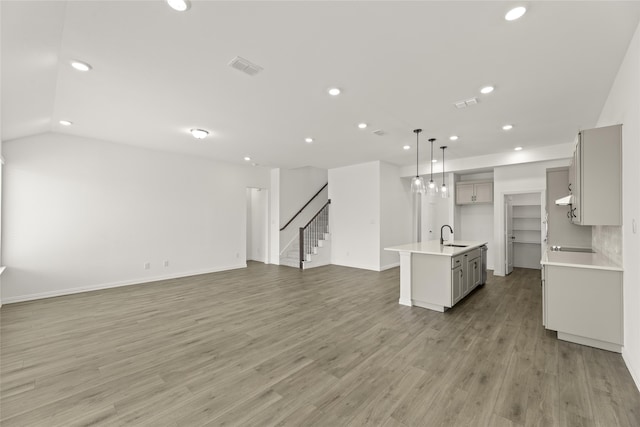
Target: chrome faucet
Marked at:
441, 229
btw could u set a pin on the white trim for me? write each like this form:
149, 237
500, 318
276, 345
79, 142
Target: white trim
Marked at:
634, 374
390, 266
2, 269
360, 266
70, 291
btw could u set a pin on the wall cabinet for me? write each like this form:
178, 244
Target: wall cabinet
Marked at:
474, 192
595, 177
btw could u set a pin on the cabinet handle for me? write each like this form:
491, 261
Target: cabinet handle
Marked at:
569, 186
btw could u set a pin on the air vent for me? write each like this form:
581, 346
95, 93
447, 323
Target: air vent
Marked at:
245, 66
379, 132
465, 103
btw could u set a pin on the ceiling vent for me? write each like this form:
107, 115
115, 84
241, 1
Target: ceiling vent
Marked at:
379, 132
245, 66
465, 103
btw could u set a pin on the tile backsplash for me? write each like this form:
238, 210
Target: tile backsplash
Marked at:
607, 240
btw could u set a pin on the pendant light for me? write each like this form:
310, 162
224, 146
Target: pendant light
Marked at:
432, 188
417, 183
444, 191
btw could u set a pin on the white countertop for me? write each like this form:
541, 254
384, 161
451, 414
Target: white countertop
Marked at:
579, 259
433, 247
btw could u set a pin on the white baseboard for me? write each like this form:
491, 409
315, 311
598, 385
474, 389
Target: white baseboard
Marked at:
389, 266
360, 266
70, 291
631, 368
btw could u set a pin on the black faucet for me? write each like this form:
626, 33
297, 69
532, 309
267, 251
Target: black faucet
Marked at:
441, 228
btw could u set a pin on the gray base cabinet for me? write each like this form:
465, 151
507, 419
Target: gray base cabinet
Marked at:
584, 305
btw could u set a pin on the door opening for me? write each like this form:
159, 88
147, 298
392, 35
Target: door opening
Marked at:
257, 225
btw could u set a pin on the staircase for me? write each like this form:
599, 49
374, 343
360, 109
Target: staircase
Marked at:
311, 248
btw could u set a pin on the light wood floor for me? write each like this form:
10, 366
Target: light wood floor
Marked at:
271, 345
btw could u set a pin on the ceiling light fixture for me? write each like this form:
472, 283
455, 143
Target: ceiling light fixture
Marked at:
453, 137
443, 190
334, 91
199, 133
518, 148
308, 140
507, 127
247, 159
362, 125
432, 188
65, 122
515, 13
179, 5
487, 89
406, 147
80, 66
417, 183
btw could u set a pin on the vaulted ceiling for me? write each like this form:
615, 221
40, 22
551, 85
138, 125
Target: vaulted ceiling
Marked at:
400, 65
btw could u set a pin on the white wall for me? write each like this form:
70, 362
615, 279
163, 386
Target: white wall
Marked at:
84, 214
274, 216
354, 215
523, 178
395, 213
623, 106
437, 212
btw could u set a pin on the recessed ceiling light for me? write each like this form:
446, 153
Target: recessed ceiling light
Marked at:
487, 89
434, 161
65, 122
406, 147
334, 91
308, 140
515, 13
362, 125
80, 66
199, 133
453, 137
247, 159
518, 148
179, 5
507, 127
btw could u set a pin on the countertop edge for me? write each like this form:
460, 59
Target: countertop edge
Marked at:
455, 251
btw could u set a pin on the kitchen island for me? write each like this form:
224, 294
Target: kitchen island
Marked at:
437, 276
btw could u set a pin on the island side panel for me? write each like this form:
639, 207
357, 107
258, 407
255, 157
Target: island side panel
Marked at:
405, 278
431, 281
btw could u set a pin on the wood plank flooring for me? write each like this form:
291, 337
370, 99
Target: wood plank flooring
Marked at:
274, 346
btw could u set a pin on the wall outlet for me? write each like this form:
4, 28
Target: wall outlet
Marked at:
147, 265
166, 263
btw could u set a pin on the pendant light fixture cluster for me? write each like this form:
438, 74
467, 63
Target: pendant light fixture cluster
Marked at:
417, 184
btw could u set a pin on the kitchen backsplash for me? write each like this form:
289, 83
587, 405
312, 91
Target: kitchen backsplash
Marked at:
607, 240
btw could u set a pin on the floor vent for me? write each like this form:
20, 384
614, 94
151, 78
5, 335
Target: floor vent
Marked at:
245, 66
379, 132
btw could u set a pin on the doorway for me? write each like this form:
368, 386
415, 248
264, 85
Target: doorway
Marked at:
257, 225
523, 231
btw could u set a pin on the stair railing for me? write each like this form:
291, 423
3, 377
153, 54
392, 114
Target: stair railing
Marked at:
305, 205
314, 231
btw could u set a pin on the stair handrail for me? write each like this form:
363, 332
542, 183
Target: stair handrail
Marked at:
305, 205
301, 232
317, 213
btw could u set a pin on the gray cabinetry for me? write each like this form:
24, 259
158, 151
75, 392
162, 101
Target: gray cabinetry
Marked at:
595, 177
457, 281
584, 305
474, 192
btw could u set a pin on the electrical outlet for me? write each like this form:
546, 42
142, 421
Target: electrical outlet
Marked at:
147, 265
166, 263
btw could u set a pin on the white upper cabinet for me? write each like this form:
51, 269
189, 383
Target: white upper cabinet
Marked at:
595, 177
474, 192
